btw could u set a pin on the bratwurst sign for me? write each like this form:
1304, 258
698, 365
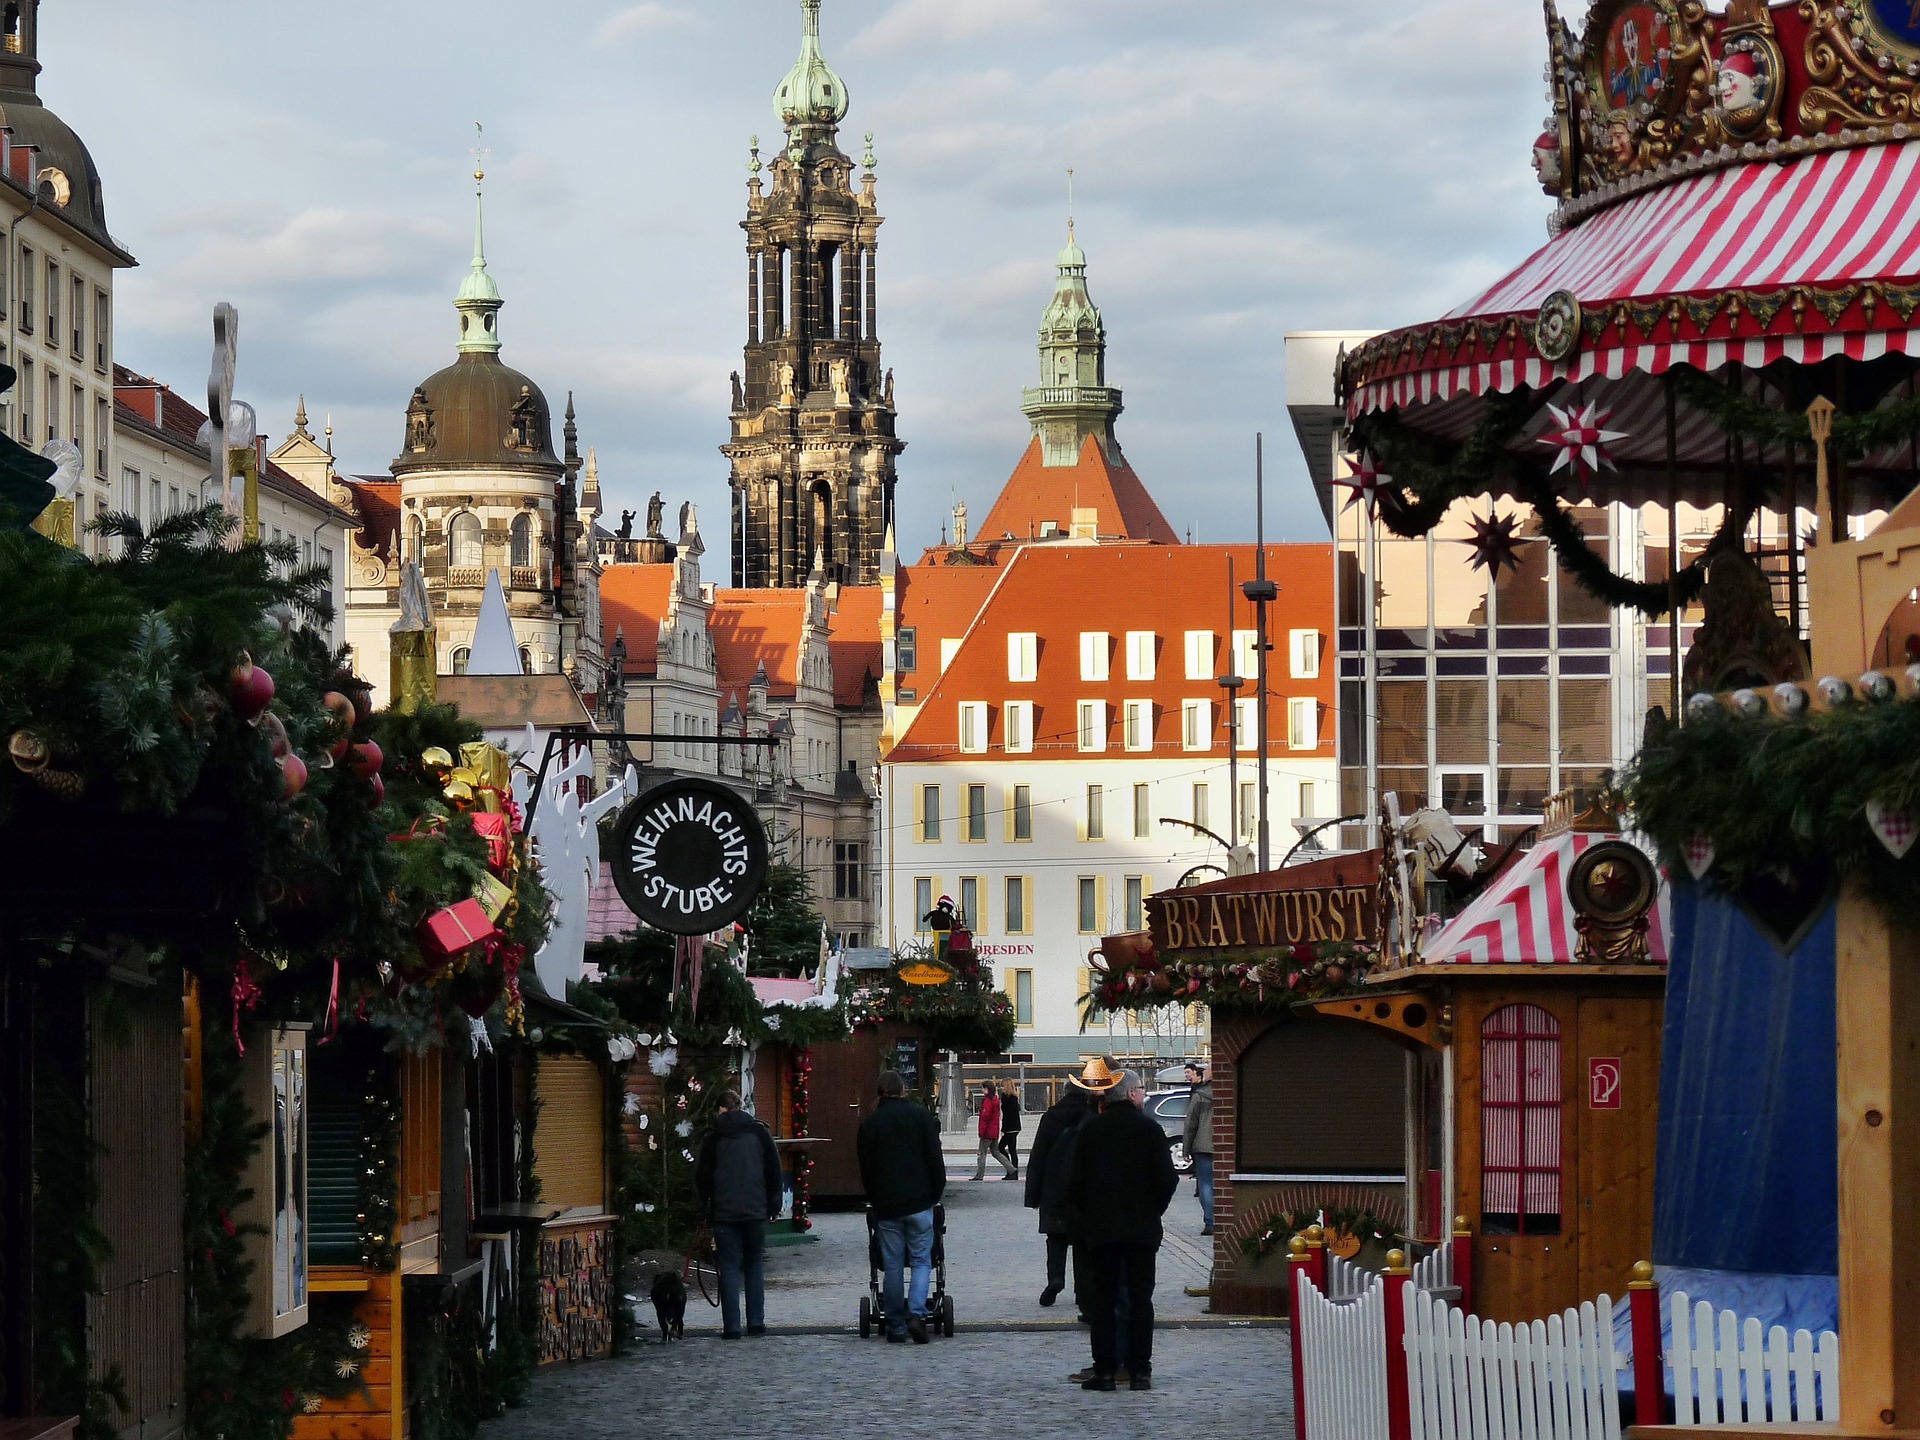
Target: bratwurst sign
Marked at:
1261, 919
689, 856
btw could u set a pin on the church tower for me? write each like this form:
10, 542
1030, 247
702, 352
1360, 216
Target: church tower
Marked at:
1072, 400
812, 450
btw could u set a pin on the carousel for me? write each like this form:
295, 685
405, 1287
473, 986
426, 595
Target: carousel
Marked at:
1720, 338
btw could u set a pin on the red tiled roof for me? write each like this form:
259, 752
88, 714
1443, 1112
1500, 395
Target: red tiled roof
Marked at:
1037, 492
1057, 592
377, 503
855, 644
938, 603
634, 598
751, 628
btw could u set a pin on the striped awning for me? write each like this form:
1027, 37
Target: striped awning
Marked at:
1797, 260
1525, 918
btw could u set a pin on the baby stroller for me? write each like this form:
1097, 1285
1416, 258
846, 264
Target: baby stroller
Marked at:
939, 1304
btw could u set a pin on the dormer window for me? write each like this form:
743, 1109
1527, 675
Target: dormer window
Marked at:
419, 422
524, 414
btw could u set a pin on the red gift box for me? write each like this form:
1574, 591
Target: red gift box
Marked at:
495, 830
447, 932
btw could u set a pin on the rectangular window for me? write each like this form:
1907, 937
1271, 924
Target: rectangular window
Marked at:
1306, 800
1246, 653
1090, 982
1094, 645
906, 649
1089, 905
153, 502
973, 727
1139, 725
1017, 718
970, 903
1020, 813
26, 392
101, 329
1246, 724
53, 302
1096, 828
77, 417
976, 812
929, 812
1136, 902
102, 428
1200, 655
173, 499
1140, 654
1023, 655
1249, 811
1142, 812
1093, 725
53, 406
1200, 806
1020, 987
130, 490
1304, 654
922, 902
1019, 921
1520, 1122
79, 318
1196, 724
1303, 724
27, 278
846, 870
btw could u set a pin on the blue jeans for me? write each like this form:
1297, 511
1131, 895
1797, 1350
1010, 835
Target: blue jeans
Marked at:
906, 1241
741, 1246
1203, 1176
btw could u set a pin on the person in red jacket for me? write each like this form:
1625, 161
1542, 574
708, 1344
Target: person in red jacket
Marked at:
990, 1133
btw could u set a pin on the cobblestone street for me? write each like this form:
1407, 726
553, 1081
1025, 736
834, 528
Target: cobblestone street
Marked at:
1004, 1373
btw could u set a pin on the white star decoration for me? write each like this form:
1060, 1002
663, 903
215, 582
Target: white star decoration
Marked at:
1364, 482
1582, 440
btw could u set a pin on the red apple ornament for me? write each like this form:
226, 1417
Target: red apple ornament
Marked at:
293, 774
249, 689
340, 735
365, 759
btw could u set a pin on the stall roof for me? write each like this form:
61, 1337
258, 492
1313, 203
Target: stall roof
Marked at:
1525, 918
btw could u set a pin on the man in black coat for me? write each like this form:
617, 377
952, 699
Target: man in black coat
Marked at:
738, 1182
1122, 1182
1049, 1167
904, 1175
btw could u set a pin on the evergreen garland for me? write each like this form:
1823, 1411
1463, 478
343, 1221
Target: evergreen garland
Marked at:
1737, 414
379, 1213
1785, 794
1311, 970
1341, 1219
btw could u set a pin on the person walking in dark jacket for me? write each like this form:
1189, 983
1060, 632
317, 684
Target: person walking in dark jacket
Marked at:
1199, 1139
904, 1175
737, 1182
1122, 1182
1050, 1167
1010, 1126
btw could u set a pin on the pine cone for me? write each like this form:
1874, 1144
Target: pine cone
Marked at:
64, 784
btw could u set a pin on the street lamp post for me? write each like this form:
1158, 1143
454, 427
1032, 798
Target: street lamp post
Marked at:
1262, 592
1230, 685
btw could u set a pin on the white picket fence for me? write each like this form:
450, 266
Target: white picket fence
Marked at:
1434, 1270
1726, 1373
1346, 1280
1552, 1379
1343, 1359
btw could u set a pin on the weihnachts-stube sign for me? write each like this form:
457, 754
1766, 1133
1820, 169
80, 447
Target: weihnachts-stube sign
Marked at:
1262, 919
689, 857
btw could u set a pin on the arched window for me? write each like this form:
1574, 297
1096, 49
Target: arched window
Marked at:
522, 541
1520, 1093
416, 538
463, 542
460, 656
526, 661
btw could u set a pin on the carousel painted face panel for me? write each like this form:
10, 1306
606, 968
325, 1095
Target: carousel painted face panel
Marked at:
1636, 62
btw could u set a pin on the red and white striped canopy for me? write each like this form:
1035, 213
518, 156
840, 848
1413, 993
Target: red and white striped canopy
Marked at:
1797, 241
1525, 918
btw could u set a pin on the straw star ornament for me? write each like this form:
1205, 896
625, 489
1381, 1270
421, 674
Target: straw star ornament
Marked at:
1582, 440
1365, 481
1496, 542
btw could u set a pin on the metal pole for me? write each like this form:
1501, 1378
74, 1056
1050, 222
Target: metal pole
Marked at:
1262, 592
1673, 552
1230, 683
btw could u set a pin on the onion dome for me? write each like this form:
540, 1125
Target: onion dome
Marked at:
64, 162
811, 94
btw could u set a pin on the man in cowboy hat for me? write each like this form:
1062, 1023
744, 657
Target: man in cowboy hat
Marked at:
1050, 1165
1121, 1184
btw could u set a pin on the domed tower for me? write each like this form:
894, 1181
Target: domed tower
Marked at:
480, 485
813, 444
1073, 399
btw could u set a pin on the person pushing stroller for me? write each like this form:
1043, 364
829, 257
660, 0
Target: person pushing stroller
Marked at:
904, 1175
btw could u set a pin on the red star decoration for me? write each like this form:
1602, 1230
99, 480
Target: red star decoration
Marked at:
1612, 883
1365, 482
1496, 542
1582, 440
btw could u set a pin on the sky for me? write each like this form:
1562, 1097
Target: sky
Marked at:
1242, 168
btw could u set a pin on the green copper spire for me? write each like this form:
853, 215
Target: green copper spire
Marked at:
811, 94
1073, 399
479, 299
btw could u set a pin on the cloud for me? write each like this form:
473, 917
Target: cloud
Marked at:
651, 18
912, 24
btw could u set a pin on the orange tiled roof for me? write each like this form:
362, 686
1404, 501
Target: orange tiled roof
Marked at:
633, 599
855, 644
751, 628
1057, 592
938, 603
1037, 493
377, 503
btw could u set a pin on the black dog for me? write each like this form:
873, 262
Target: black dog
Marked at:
670, 1305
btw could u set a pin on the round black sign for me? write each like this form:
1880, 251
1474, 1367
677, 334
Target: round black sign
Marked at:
689, 856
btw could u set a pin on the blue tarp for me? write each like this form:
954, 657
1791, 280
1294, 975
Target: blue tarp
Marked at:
1798, 1302
1746, 1172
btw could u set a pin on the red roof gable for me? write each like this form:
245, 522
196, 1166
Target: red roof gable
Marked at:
1057, 592
633, 600
855, 643
1037, 493
377, 502
751, 628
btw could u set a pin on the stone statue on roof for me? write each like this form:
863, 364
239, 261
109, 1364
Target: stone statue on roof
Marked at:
625, 532
656, 509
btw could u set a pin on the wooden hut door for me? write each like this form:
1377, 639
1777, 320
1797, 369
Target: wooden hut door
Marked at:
1522, 1251
138, 1319
1619, 1066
